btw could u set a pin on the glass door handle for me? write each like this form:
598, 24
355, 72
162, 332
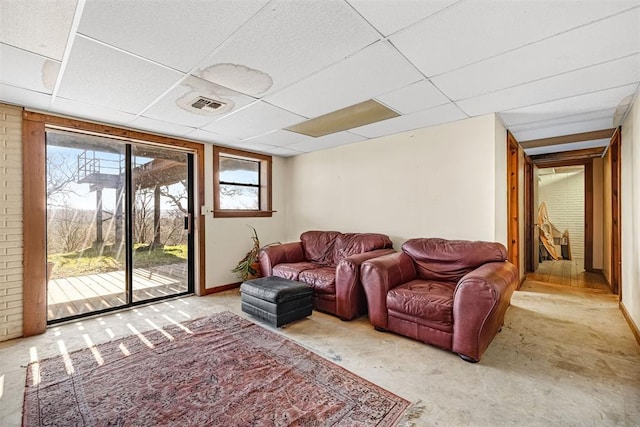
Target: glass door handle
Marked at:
187, 223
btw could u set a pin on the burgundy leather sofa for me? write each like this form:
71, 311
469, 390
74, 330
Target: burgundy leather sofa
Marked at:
449, 293
329, 262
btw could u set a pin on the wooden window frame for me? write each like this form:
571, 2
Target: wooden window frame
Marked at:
264, 184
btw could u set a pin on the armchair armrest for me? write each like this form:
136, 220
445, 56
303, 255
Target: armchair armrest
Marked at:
350, 297
378, 276
271, 256
480, 301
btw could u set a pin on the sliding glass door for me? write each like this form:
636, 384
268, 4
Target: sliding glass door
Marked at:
161, 222
118, 224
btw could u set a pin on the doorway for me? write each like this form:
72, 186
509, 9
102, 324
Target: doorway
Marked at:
119, 223
565, 227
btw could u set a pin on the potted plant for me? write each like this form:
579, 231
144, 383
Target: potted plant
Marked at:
248, 267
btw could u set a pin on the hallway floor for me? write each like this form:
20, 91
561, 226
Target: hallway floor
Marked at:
565, 356
568, 273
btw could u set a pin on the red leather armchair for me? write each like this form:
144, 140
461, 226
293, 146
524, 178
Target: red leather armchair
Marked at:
449, 293
330, 262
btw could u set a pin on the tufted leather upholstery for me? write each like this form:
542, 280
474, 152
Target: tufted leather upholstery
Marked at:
330, 262
449, 293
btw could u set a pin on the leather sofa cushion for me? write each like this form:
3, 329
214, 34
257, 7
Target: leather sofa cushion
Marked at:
429, 301
449, 260
348, 244
318, 246
323, 279
292, 270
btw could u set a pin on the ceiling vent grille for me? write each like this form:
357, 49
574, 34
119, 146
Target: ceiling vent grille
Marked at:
206, 104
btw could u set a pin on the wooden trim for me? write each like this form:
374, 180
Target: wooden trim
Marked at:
616, 229
529, 222
34, 320
265, 184
588, 216
218, 289
513, 218
634, 328
565, 139
546, 160
35, 203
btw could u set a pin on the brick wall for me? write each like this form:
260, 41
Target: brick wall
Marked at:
564, 196
10, 222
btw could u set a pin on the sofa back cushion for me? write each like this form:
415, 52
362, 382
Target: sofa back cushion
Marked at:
356, 243
449, 260
318, 246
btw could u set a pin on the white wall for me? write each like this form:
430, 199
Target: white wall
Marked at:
227, 240
445, 181
11, 246
564, 195
630, 207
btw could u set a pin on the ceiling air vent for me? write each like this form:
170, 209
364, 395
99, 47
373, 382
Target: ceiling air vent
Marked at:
206, 104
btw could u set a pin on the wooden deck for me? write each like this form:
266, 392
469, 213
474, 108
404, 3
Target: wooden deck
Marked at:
568, 273
85, 294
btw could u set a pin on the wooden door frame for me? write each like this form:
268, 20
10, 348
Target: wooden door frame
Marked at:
513, 214
616, 229
588, 204
529, 222
35, 214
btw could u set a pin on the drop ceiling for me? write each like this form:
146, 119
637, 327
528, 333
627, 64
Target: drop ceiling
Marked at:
546, 68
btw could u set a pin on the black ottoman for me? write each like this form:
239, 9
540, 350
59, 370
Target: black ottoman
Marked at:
275, 300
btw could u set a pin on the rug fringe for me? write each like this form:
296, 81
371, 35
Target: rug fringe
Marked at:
411, 415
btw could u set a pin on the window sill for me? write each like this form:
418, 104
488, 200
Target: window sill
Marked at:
241, 214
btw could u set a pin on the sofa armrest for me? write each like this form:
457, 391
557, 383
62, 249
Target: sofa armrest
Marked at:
270, 256
350, 298
480, 301
378, 276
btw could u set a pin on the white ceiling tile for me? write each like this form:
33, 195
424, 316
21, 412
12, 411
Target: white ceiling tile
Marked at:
471, 31
435, 116
40, 26
563, 129
92, 112
176, 105
24, 97
280, 138
528, 121
598, 77
325, 142
212, 137
178, 34
389, 17
602, 41
414, 97
159, 126
256, 119
27, 70
557, 120
572, 146
289, 40
284, 152
98, 74
605, 99
348, 82
267, 149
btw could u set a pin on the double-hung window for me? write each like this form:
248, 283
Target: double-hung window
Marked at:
242, 183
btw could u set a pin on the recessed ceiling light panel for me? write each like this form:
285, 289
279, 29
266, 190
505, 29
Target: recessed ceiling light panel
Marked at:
357, 115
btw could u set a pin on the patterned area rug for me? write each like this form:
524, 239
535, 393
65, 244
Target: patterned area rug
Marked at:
220, 370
